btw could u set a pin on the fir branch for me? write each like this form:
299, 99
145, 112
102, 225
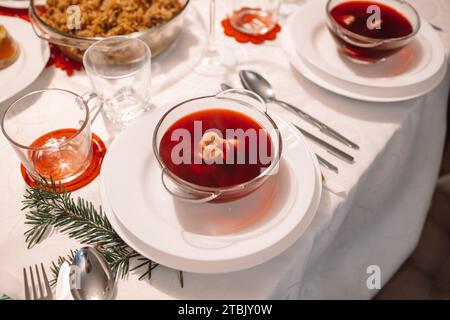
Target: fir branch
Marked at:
49, 206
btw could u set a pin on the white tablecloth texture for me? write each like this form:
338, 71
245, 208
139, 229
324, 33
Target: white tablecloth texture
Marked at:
371, 213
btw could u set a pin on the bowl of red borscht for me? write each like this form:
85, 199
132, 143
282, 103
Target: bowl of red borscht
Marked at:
369, 31
217, 148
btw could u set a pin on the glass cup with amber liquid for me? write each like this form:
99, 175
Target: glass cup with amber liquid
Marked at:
50, 131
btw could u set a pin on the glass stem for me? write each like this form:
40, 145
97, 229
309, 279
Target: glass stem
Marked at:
211, 49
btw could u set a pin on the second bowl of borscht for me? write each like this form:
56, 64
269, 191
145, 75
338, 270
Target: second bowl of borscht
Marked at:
369, 31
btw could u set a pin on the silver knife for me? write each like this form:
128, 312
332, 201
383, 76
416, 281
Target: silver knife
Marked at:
330, 148
327, 164
322, 126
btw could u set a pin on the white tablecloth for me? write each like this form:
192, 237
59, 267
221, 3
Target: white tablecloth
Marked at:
370, 214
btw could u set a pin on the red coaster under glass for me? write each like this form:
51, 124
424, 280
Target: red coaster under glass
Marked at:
98, 153
241, 37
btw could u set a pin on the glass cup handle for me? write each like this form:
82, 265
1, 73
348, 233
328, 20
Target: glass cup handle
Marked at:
228, 94
96, 108
185, 195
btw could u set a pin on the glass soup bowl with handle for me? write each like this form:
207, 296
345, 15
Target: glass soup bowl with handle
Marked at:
370, 31
238, 103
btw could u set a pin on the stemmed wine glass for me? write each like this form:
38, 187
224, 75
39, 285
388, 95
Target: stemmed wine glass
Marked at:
217, 59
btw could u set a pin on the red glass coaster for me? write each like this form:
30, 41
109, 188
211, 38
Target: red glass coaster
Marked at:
241, 37
98, 153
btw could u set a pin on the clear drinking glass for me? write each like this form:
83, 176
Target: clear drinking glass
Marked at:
120, 72
50, 131
217, 59
255, 17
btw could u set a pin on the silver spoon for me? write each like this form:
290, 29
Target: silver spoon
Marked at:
258, 84
91, 277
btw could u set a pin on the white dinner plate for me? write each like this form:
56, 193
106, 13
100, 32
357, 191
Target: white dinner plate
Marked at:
19, 4
207, 238
330, 70
34, 54
146, 251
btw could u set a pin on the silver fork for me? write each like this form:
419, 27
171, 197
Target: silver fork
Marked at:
48, 295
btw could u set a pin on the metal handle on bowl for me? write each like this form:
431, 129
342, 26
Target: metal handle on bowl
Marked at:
226, 93
44, 35
183, 194
37, 30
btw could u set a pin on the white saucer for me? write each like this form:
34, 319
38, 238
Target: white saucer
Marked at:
34, 54
208, 238
314, 54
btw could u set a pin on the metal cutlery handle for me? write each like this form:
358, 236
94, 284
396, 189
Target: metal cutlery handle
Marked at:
36, 278
435, 27
327, 164
225, 86
322, 126
330, 148
333, 133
